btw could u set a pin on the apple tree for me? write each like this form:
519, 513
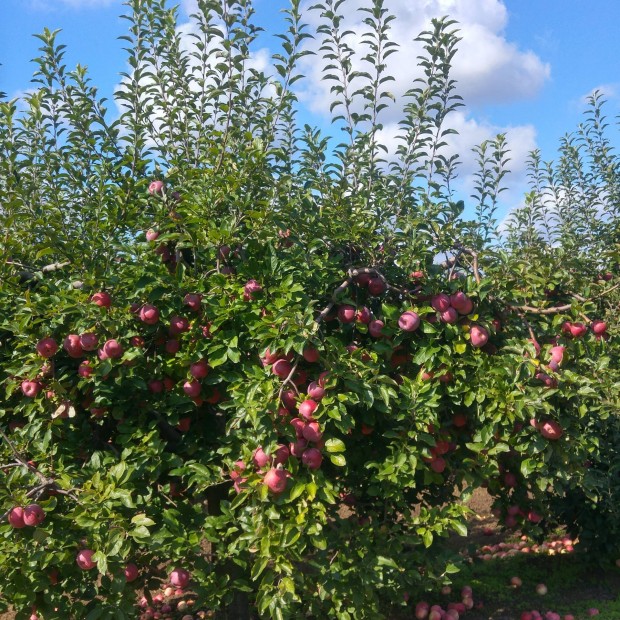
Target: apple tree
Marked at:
242, 359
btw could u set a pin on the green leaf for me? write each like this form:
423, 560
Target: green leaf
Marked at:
334, 445
338, 460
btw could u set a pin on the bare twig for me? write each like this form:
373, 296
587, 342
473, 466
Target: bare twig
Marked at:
27, 273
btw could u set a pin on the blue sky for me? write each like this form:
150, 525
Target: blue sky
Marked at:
525, 66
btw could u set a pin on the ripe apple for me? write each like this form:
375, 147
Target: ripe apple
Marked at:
260, 458
409, 321
192, 388
435, 614
275, 479
315, 391
102, 299
179, 578
289, 400
516, 582
16, 517
479, 336
460, 302
85, 369
47, 347
363, 315
534, 517
156, 386
311, 354
593, 612
84, 559
296, 448
421, 610
307, 408
199, 370
281, 454
89, 341
312, 432
312, 458
156, 188
440, 302
193, 301
298, 424
149, 314
113, 349
346, 313
577, 330
376, 287
599, 327
184, 424
172, 346
375, 328
178, 325
72, 345
438, 464
31, 388
450, 316
282, 368
131, 572
551, 430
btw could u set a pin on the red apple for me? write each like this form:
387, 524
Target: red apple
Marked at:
363, 315
315, 391
156, 386
275, 479
72, 346
33, 514
193, 301
479, 336
149, 314
172, 346
375, 328
31, 388
440, 302
307, 408
346, 314
281, 455
16, 518
551, 430
541, 589
312, 458
260, 458
376, 287
312, 432
131, 572
85, 369
102, 299
113, 349
89, 342
282, 368
199, 370
178, 325
84, 559
577, 330
421, 610
47, 347
179, 578
192, 388
409, 321
156, 188
450, 315
599, 327
311, 354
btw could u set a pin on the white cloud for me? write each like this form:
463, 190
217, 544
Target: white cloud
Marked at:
488, 67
